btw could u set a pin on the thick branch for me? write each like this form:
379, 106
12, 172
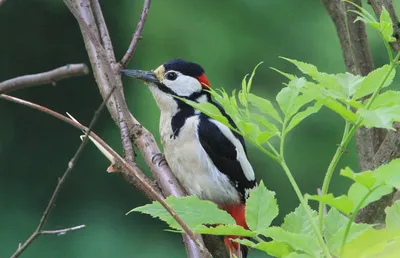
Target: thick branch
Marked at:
90, 17
136, 36
50, 77
372, 144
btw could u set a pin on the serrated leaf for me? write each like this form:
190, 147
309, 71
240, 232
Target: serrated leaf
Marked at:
263, 137
223, 230
250, 82
261, 208
263, 121
382, 117
265, 106
287, 75
393, 216
358, 192
373, 80
299, 102
386, 99
305, 68
297, 222
389, 173
208, 109
336, 240
249, 129
333, 222
287, 97
191, 209
370, 244
331, 83
386, 26
299, 242
276, 249
342, 203
299, 117
366, 178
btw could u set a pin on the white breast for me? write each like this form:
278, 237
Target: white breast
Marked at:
191, 164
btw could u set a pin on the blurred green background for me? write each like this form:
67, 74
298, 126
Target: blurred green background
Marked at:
228, 38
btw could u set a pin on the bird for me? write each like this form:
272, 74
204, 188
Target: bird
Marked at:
207, 157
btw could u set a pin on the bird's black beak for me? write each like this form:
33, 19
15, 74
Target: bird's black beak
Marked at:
146, 76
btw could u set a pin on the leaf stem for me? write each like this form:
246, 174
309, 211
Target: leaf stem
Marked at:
306, 208
352, 218
346, 139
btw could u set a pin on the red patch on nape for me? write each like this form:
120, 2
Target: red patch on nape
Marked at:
203, 81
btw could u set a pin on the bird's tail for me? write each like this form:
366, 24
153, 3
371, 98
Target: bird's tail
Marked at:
237, 211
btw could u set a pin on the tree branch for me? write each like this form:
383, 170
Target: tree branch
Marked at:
71, 165
388, 4
90, 17
371, 143
136, 36
134, 171
50, 77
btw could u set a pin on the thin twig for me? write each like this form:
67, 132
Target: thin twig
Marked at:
71, 165
50, 77
136, 36
60, 232
147, 187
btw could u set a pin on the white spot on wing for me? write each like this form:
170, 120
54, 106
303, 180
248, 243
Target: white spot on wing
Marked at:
241, 154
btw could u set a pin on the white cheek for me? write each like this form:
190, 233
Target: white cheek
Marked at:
183, 85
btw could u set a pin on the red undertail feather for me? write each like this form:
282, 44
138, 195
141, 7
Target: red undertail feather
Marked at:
237, 211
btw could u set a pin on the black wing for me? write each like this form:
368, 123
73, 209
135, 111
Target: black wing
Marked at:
223, 154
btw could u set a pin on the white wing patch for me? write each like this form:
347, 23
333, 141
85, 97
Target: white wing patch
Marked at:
241, 154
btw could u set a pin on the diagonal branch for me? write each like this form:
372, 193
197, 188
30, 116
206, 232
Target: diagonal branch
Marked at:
50, 77
133, 171
71, 165
136, 36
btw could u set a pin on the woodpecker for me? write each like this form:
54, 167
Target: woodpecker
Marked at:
208, 158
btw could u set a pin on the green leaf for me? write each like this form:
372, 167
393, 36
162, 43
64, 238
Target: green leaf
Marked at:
333, 222
389, 173
265, 106
223, 230
336, 240
342, 203
298, 255
297, 222
382, 117
358, 192
393, 216
263, 137
287, 97
299, 242
208, 109
305, 68
373, 80
371, 243
249, 129
261, 208
386, 26
299, 102
287, 75
263, 121
349, 82
191, 209
250, 82
273, 248
303, 115
366, 178
386, 99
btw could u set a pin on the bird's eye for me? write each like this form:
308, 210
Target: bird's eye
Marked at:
171, 76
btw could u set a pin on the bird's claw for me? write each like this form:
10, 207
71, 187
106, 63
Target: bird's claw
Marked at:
158, 159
